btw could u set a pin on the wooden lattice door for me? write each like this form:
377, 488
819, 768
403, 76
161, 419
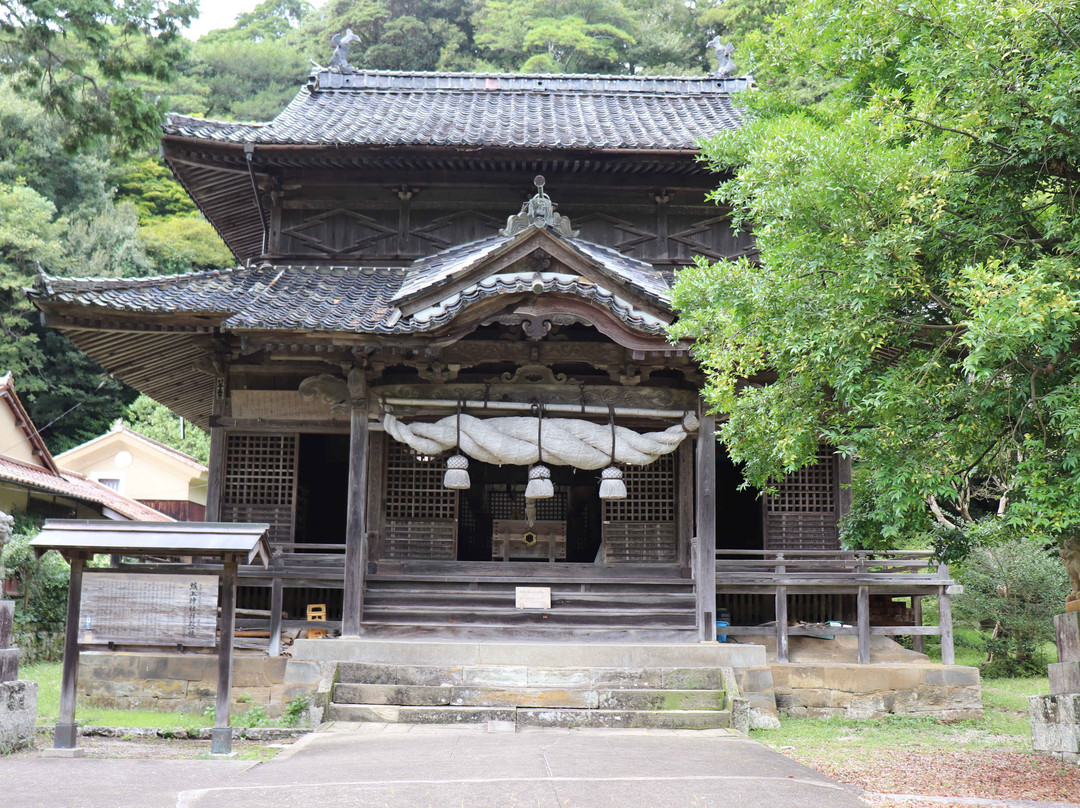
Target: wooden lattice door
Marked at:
421, 515
804, 512
260, 482
642, 526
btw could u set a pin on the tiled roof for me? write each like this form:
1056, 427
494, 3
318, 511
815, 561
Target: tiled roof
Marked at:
372, 108
353, 299
75, 486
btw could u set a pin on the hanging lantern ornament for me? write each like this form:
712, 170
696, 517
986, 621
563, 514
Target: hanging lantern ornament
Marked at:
457, 465
540, 486
611, 478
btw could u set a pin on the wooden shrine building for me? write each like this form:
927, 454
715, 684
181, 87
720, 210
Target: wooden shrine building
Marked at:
403, 270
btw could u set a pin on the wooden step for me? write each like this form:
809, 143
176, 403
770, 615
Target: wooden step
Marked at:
376, 596
527, 634
633, 620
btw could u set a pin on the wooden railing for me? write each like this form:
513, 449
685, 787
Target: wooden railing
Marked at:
861, 573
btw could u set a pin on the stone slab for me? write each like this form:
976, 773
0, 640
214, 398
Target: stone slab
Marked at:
7, 618
626, 699
1055, 725
541, 655
1067, 629
524, 697
9, 664
18, 714
455, 715
1064, 677
363, 712
626, 719
419, 695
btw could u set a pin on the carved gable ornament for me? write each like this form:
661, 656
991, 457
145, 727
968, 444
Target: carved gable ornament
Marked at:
538, 211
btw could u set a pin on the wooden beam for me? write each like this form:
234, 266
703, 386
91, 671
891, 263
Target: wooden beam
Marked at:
705, 557
66, 731
355, 531
221, 735
684, 459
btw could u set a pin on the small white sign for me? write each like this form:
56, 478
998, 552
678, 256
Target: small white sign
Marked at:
533, 597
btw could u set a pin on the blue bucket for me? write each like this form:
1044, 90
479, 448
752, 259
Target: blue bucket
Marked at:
719, 625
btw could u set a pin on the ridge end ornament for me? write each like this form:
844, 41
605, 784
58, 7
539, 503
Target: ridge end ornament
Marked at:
539, 211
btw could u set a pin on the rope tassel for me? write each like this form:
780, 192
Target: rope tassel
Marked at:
457, 465
540, 485
611, 478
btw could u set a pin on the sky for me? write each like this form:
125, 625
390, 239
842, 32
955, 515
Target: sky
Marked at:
221, 14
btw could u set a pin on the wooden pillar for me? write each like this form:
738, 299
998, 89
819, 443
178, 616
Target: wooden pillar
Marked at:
66, 731
918, 641
684, 459
948, 653
704, 562
781, 613
355, 532
276, 594
862, 615
215, 479
221, 736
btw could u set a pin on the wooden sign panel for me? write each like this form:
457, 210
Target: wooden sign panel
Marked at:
139, 609
532, 597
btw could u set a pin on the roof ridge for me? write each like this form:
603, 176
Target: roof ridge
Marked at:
148, 280
507, 75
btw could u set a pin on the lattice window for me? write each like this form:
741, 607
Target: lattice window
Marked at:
641, 528
802, 514
650, 493
260, 481
421, 513
505, 504
414, 486
808, 490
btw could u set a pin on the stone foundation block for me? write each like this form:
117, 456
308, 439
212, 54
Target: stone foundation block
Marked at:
9, 664
7, 619
302, 673
1067, 629
18, 713
1055, 725
1064, 677
694, 679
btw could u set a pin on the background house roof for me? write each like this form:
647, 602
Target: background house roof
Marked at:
374, 108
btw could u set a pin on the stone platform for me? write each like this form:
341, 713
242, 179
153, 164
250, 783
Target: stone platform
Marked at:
1055, 719
18, 700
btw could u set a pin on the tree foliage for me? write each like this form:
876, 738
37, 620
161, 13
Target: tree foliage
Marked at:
156, 421
78, 57
916, 301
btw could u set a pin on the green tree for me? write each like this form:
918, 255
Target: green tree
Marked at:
156, 421
78, 57
917, 297
176, 244
556, 36
149, 185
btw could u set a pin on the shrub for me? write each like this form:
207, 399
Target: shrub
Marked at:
41, 612
1011, 592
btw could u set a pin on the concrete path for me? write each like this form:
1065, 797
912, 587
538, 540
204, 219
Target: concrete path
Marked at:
403, 766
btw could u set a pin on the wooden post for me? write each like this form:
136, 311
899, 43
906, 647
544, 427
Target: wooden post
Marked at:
705, 557
684, 459
781, 613
66, 730
918, 641
276, 593
355, 532
215, 480
948, 653
862, 613
221, 736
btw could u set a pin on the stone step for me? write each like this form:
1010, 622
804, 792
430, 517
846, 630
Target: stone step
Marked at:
634, 719
569, 697
464, 696
518, 676
533, 716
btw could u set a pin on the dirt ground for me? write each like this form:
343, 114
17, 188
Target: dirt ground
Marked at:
995, 774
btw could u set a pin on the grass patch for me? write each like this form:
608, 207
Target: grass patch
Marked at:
47, 675
1004, 725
